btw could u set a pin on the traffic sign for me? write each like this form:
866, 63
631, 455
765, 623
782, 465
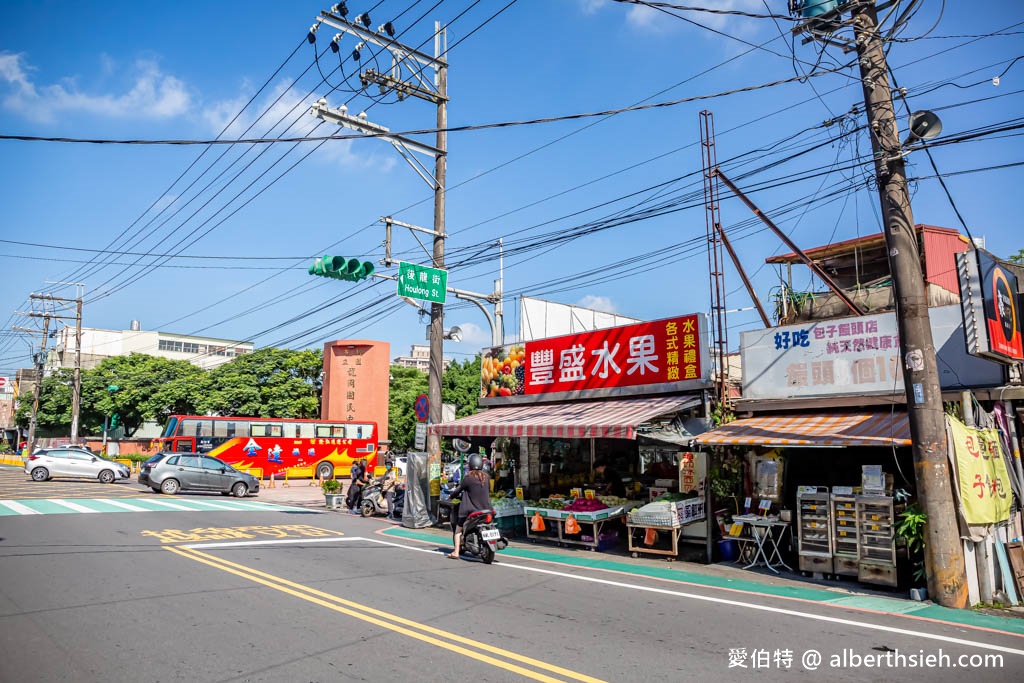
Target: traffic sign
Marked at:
421, 436
422, 408
422, 282
4, 385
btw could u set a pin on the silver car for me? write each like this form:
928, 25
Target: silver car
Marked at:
76, 462
170, 473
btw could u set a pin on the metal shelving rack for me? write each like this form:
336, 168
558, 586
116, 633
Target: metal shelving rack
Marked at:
876, 523
814, 529
845, 546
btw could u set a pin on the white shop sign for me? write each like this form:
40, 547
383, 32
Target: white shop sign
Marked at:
853, 356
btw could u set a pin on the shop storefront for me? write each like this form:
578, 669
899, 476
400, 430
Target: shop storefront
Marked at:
598, 424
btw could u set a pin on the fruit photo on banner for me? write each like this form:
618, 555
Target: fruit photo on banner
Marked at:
503, 371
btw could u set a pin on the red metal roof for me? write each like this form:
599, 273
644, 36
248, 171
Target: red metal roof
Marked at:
876, 240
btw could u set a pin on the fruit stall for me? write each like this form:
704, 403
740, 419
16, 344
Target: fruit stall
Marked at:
657, 527
575, 521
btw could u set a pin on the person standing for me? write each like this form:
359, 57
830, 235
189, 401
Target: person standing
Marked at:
474, 492
355, 488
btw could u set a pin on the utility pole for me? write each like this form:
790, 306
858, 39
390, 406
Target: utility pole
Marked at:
944, 562
405, 79
76, 387
40, 363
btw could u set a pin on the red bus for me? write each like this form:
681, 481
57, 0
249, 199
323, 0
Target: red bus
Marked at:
275, 445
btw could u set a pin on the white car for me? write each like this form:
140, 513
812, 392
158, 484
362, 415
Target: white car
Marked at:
400, 464
45, 464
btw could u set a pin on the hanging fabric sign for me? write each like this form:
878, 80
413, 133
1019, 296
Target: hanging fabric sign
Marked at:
984, 484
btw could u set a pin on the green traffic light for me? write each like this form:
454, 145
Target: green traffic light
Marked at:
341, 268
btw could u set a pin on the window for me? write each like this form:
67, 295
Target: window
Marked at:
76, 455
323, 431
188, 461
220, 428
168, 345
212, 463
173, 460
266, 430
338, 431
305, 430
230, 429
56, 454
190, 347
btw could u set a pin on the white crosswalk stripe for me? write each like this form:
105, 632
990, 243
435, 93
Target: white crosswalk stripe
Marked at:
121, 504
19, 508
68, 504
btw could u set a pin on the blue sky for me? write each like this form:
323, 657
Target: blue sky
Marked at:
183, 70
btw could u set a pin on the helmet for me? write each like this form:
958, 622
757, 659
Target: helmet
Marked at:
389, 463
476, 462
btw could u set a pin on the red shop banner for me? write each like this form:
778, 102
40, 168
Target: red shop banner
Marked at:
660, 352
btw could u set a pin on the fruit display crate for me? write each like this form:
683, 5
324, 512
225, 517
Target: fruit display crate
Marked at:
595, 516
591, 526
672, 514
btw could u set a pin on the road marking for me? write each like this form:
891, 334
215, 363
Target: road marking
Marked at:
173, 506
19, 508
120, 504
738, 603
68, 504
391, 622
233, 544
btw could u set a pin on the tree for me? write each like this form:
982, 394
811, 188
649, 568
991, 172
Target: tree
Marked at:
460, 386
406, 385
269, 382
141, 380
1018, 258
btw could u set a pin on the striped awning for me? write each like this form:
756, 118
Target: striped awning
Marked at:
829, 429
609, 419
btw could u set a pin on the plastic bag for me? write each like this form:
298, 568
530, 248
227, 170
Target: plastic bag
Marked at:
571, 525
537, 522
650, 537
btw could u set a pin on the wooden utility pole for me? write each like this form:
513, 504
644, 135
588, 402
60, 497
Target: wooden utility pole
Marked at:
38, 388
944, 562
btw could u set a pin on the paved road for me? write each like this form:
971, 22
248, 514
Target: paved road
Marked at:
301, 595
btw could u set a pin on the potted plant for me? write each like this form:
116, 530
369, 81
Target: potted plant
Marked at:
911, 530
332, 493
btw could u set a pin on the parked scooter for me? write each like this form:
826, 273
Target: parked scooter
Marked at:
374, 502
481, 536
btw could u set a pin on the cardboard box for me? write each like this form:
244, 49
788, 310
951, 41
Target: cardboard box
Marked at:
657, 491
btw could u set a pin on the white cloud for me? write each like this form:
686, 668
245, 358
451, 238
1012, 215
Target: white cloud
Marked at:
591, 6
474, 334
283, 105
153, 94
597, 303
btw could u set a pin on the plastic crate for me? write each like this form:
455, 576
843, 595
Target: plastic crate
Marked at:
512, 526
641, 518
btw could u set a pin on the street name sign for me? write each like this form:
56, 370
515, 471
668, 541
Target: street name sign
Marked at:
422, 282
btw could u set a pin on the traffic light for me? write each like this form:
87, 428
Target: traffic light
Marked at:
115, 420
341, 268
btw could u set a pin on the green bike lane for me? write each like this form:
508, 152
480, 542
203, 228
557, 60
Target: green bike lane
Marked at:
724, 579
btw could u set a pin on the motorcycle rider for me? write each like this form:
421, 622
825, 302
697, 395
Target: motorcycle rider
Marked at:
475, 493
355, 489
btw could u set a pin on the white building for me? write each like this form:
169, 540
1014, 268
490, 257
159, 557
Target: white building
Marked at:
97, 344
419, 358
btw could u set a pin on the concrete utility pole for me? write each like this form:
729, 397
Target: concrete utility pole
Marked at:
37, 390
76, 386
947, 581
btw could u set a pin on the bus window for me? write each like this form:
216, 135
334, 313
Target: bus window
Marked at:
258, 430
291, 430
305, 430
172, 426
323, 431
276, 430
220, 429
338, 431
229, 429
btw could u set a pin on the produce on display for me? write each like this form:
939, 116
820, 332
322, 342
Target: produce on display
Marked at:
612, 501
584, 505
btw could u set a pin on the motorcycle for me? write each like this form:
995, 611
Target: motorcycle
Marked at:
375, 503
481, 536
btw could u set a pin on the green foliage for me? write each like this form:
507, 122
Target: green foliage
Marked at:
406, 385
722, 414
461, 386
331, 486
269, 382
726, 475
911, 529
1018, 258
